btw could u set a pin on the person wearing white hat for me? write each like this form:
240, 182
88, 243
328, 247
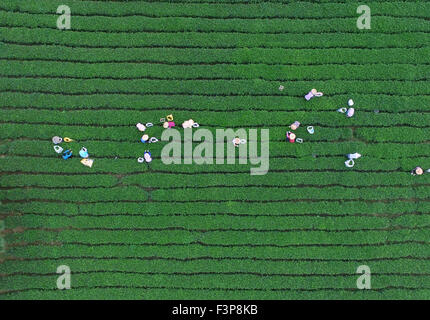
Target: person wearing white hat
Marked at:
417, 171
313, 93
140, 127
188, 124
147, 156
236, 142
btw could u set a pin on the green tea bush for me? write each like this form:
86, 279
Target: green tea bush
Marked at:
134, 230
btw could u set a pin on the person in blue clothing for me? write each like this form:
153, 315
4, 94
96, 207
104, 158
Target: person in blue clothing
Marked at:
67, 154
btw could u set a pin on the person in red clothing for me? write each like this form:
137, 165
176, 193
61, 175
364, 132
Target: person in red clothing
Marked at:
291, 137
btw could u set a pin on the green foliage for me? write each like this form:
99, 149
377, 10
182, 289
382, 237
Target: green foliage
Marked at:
131, 230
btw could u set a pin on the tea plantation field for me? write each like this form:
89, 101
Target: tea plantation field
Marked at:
186, 231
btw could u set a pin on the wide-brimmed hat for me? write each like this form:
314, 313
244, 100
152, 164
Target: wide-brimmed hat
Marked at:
419, 170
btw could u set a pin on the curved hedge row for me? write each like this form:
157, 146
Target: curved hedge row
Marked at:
197, 56
48, 69
278, 150
123, 166
198, 251
33, 37
249, 119
220, 9
175, 103
141, 24
286, 180
236, 210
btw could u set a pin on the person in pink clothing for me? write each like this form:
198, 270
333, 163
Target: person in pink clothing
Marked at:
169, 124
291, 137
417, 171
313, 93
